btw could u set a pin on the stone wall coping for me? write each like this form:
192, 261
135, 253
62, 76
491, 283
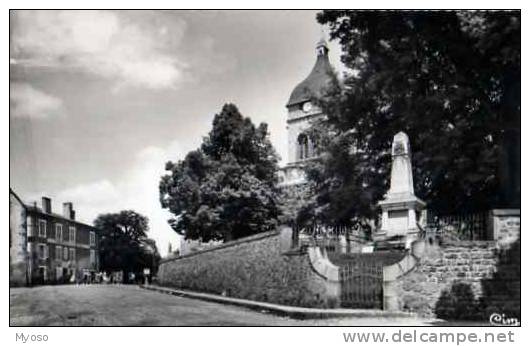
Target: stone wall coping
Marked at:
396, 270
248, 239
506, 212
322, 265
393, 271
469, 243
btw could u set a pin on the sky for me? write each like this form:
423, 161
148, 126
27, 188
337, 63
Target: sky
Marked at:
100, 100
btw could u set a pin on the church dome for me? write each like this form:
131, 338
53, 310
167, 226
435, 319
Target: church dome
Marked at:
319, 79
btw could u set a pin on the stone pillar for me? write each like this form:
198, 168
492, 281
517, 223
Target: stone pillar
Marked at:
392, 272
412, 219
326, 270
400, 205
390, 297
504, 226
384, 220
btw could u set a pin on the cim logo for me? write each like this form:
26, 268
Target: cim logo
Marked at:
502, 320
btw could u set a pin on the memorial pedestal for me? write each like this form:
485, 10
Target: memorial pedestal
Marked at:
401, 209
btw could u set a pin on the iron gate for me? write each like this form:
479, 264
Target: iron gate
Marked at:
361, 285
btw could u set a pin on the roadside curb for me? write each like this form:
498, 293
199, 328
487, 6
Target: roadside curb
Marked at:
282, 310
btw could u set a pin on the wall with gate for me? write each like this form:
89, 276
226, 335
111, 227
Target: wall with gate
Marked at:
262, 267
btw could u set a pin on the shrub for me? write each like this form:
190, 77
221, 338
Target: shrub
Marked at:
458, 303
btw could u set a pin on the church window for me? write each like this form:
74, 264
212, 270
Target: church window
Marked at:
307, 147
313, 147
303, 147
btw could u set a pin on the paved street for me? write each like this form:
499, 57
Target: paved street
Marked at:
106, 305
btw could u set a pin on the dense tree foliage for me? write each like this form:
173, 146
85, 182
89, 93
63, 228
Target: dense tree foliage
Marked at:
451, 81
124, 244
226, 189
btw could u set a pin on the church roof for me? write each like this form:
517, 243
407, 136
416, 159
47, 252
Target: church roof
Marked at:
319, 78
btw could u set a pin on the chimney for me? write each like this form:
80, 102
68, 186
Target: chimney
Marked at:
68, 211
46, 205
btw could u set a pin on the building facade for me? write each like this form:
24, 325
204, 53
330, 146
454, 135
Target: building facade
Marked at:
47, 247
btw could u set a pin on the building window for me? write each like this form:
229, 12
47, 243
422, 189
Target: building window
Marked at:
92, 238
65, 253
71, 232
42, 228
92, 257
42, 251
72, 254
58, 252
58, 232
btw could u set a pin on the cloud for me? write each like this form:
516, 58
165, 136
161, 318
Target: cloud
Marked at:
110, 44
95, 193
25, 101
137, 190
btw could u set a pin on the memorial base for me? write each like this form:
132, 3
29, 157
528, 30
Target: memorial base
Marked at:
401, 215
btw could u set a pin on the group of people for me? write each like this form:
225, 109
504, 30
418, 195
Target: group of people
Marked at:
96, 278
118, 277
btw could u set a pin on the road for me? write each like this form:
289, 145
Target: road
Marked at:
108, 305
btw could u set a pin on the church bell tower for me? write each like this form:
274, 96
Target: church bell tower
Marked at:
301, 112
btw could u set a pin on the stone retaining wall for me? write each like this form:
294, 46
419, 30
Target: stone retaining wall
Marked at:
463, 280
262, 267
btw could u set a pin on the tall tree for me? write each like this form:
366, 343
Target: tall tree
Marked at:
451, 81
226, 189
124, 244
